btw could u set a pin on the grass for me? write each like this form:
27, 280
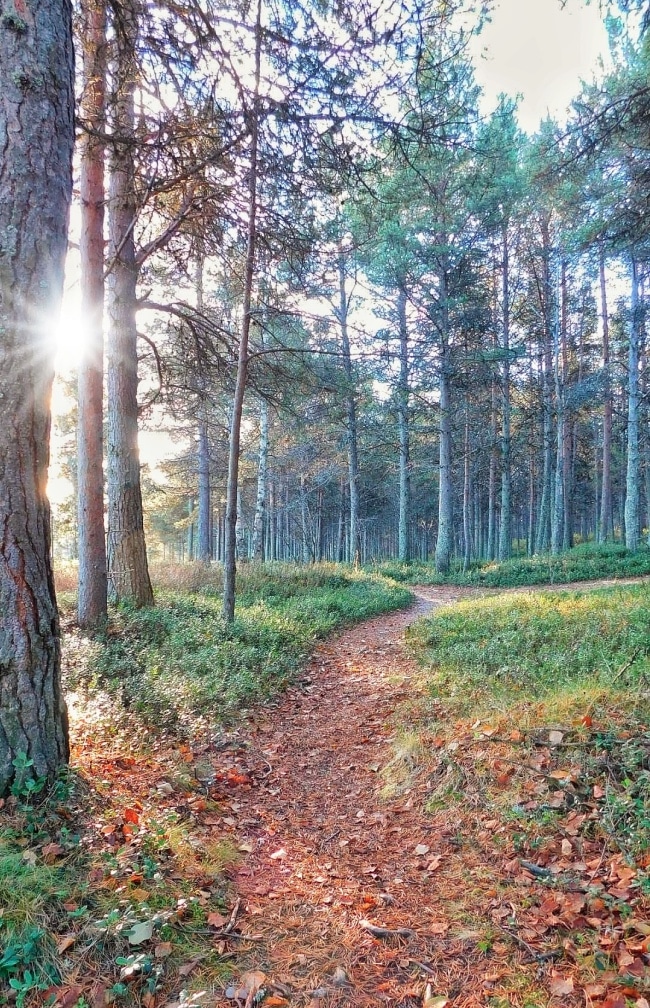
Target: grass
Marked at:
178, 660
587, 562
576, 661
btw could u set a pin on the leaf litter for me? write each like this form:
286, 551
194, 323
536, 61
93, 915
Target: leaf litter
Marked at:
352, 876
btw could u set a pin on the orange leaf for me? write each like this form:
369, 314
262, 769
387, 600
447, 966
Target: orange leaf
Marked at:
130, 815
216, 919
561, 985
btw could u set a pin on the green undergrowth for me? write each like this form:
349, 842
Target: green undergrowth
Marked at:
91, 915
534, 662
587, 562
178, 660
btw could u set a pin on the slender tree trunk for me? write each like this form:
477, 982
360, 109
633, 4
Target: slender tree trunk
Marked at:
127, 555
606, 524
505, 524
467, 490
445, 541
91, 537
340, 539
403, 553
492, 477
557, 513
543, 540
353, 450
262, 468
632, 496
230, 558
36, 140
204, 532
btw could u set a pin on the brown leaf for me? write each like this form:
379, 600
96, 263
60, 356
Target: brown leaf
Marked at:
51, 852
278, 855
216, 919
561, 985
187, 967
163, 949
65, 943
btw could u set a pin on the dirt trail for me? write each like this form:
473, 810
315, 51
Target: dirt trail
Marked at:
327, 851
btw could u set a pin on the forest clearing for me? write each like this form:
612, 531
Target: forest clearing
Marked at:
459, 817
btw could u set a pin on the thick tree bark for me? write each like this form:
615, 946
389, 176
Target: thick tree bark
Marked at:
606, 523
403, 552
230, 551
36, 139
632, 481
262, 468
127, 554
91, 537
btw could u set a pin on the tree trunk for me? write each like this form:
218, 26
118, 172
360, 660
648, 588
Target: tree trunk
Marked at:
445, 541
353, 450
403, 420
505, 524
632, 496
606, 524
204, 532
91, 537
467, 489
230, 553
127, 554
543, 540
260, 503
36, 138
492, 477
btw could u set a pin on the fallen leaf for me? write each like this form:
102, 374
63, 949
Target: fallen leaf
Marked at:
187, 967
555, 737
141, 932
422, 849
276, 1001
278, 855
162, 950
131, 816
65, 943
561, 985
216, 919
51, 852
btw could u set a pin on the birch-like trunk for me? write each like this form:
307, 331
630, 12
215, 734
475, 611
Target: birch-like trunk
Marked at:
230, 551
404, 434
262, 469
127, 554
351, 405
445, 540
467, 500
606, 523
91, 536
36, 140
632, 495
204, 531
505, 523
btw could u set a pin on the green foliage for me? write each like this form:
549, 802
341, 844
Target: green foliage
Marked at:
178, 660
583, 563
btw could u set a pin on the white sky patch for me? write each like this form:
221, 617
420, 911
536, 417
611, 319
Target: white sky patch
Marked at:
542, 51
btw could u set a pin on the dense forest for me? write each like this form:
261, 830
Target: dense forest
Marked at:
381, 323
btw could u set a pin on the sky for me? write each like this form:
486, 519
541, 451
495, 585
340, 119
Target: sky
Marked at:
541, 50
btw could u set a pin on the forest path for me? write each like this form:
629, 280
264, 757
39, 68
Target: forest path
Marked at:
325, 850
335, 837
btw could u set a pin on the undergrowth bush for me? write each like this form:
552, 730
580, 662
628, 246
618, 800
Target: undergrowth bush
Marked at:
178, 659
587, 562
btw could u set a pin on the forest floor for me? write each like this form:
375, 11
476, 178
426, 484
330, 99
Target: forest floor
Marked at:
347, 844
352, 894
